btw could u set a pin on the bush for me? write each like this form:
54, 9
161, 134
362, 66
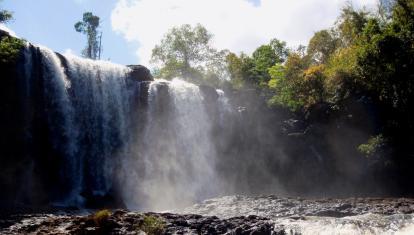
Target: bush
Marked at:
101, 217
152, 225
372, 146
9, 49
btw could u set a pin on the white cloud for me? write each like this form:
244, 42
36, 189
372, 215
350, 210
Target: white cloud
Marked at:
237, 25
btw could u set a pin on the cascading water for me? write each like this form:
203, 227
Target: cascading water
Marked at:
61, 116
100, 99
86, 106
177, 157
106, 143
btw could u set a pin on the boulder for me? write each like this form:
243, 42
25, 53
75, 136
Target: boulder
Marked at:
140, 73
209, 92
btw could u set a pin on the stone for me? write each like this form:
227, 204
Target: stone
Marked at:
140, 73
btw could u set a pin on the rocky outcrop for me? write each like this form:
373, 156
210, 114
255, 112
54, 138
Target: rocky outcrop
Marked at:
140, 73
4, 34
262, 215
124, 222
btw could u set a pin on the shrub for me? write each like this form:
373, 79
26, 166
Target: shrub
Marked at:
101, 217
372, 146
9, 49
152, 225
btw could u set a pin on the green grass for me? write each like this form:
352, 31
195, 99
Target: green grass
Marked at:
152, 225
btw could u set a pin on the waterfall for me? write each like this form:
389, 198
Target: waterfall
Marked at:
101, 104
112, 136
177, 157
60, 118
87, 106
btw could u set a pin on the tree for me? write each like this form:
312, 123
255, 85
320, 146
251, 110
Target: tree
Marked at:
386, 59
89, 26
254, 71
322, 45
5, 16
236, 71
294, 85
185, 52
351, 23
385, 8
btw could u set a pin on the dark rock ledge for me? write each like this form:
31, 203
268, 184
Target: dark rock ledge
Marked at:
125, 222
140, 73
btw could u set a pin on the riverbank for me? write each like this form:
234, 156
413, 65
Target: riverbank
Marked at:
231, 215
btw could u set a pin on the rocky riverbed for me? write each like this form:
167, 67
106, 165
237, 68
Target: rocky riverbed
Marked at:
232, 215
124, 222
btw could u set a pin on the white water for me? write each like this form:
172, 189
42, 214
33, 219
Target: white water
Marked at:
177, 157
366, 224
87, 113
102, 109
160, 157
283, 216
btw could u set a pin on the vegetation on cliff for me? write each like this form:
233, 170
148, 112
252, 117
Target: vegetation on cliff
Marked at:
10, 48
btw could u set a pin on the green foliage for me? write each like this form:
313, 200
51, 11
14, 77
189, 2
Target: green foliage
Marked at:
235, 68
361, 55
285, 89
9, 49
372, 146
351, 23
322, 45
386, 58
152, 225
253, 71
341, 73
89, 26
101, 217
289, 84
5, 16
185, 52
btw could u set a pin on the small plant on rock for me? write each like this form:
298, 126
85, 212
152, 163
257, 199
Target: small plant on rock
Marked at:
101, 217
373, 145
152, 225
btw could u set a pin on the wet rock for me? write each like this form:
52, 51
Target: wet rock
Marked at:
124, 222
140, 73
269, 219
209, 92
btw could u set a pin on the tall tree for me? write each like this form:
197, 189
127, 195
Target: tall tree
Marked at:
185, 52
89, 26
322, 45
351, 23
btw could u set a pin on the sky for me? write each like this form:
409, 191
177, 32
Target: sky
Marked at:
131, 28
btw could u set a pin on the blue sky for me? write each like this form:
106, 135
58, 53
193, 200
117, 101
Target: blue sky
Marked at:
51, 23
131, 28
